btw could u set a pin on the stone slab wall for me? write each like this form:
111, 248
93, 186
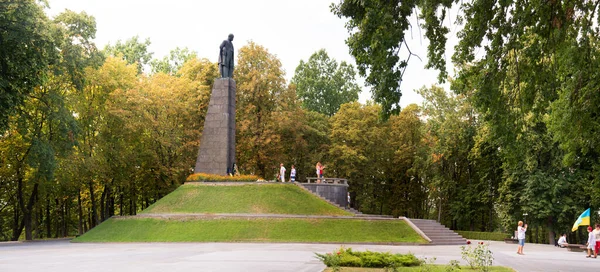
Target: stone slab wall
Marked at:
336, 193
217, 146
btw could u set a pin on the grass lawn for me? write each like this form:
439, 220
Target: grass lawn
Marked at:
252, 198
251, 230
432, 268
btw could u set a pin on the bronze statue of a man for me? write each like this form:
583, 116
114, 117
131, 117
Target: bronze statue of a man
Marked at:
226, 57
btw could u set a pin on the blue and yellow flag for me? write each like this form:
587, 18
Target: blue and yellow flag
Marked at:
583, 220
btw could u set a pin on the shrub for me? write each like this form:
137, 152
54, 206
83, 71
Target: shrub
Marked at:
350, 261
218, 178
349, 258
480, 257
409, 260
490, 236
331, 260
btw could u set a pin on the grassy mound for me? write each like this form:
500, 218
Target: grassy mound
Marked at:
252, 230
248, 198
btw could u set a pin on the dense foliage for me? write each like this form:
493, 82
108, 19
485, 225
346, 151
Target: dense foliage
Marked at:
323, 85
346, 257
89, 135
529, 72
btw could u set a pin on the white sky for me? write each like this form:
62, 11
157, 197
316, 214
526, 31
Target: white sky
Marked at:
292, 30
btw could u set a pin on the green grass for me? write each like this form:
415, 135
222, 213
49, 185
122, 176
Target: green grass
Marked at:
477, 235
432, 268
251, 198
252, 230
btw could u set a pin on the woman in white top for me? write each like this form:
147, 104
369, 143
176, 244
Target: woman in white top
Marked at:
591, 243
318, 167
521, 236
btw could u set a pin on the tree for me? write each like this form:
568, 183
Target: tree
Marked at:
132, 51
377, 34
27, 48
260, 81
173, 62
457, 189
323, 84
407, 189
356, 153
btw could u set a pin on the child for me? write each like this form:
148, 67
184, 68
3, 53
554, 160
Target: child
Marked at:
521, 236
591, 243
293, 174
562, 242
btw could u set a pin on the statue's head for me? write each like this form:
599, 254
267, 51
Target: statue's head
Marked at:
230, 38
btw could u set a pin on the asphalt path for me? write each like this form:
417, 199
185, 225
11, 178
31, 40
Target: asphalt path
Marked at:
63, 256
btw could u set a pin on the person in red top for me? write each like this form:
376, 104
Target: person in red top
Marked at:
597, 234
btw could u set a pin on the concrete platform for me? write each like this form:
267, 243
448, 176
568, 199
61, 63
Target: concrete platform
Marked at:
62, 256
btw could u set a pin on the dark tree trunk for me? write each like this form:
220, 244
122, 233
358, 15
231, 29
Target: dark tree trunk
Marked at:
109, 205
27, 213
17, 223
94, 217
121, 201
48, 221
57, 212
79, 214
102, 205
551, 234
66, 217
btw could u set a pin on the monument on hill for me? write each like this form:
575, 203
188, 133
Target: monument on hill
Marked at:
217, 146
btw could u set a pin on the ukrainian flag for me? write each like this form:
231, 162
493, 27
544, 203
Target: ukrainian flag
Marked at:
583, 220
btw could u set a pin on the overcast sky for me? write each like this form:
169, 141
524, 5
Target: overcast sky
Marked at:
292, 30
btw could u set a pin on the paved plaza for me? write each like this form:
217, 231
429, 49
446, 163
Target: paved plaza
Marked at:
64, 256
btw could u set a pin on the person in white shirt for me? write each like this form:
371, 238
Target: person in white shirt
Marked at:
562, 241
521, 236
282, 173
591, 243
293, 174
348, 203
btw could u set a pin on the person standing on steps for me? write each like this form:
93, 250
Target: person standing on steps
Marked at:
521, 236
348, 203
318, 167
282, 172
293, 174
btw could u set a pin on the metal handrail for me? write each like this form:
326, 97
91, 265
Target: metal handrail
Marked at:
327, 180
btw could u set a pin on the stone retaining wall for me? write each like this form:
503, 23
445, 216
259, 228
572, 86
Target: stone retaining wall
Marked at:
336, 193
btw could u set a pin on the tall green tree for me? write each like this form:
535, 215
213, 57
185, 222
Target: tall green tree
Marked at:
27, 48
173, 62
378, 33
356, 153
260, 82
133, 51
407, 183
323, 84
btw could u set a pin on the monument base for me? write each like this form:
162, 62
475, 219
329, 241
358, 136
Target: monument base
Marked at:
336, 193
217, 146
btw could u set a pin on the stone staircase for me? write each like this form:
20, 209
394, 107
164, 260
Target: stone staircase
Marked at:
352, 210
357, 213
438, 233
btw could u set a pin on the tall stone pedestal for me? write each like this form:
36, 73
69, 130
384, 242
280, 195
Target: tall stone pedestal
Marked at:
217, 146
